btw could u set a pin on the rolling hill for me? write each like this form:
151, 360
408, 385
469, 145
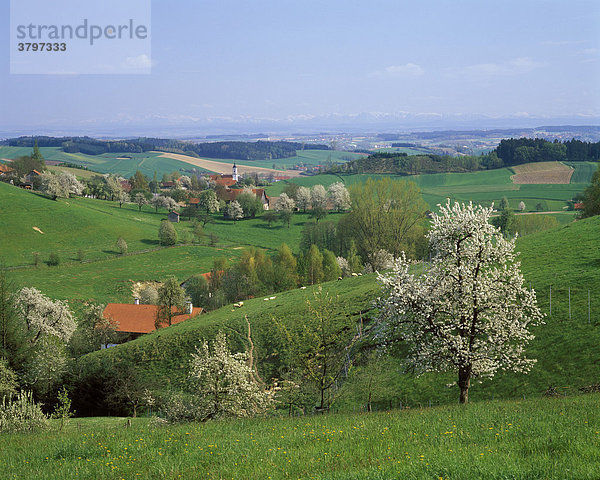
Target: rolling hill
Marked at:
566, 346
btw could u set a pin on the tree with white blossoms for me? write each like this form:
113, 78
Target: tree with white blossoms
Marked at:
122, 197
318, 197
469, 312
521, 206
61, 184
208, 201
303, 198
235, 211
227, 383
285, 207
339, 196
140, 200
162, 201
48, 325
42, 316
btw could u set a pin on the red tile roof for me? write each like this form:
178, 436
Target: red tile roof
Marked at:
233, 193
133, 318
5, 168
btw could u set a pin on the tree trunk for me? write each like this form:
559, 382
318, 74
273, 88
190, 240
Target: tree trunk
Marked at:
464, 382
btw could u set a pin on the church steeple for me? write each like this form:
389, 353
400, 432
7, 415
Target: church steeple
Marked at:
235, 173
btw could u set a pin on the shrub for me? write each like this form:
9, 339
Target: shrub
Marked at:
36, 259
167, 234
122, 246
54, 260
21, 414
63, 408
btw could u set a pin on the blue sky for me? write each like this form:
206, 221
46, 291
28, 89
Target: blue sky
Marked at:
285, 59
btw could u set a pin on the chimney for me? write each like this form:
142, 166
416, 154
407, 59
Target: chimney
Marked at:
189, 307
136, 300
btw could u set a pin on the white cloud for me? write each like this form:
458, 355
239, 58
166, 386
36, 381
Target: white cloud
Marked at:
591, 51
408, 70
140, 62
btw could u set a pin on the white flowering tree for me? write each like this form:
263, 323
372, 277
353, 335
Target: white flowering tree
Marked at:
339, 196
303, 198
285, 207
42, 316
208, 201
48, 325
227, 384
318, 197
61, 184
234, 210
162, 201
469, 312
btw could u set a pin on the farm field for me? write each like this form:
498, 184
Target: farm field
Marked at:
407, 150
312, 158
78, 172
218, 166
536, 438
542, 173
161, 162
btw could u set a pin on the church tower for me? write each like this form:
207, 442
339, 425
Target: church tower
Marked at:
235, 173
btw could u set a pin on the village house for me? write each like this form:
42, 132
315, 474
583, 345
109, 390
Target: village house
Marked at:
231, 194
173, 217
133, 320
5, 169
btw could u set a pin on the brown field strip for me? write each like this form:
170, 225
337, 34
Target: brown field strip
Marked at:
225, 168
542, 173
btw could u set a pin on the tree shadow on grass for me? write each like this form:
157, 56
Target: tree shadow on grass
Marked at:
147, 241
264, 226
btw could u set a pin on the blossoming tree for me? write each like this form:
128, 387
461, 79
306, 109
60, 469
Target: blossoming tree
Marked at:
470, 311
227, 383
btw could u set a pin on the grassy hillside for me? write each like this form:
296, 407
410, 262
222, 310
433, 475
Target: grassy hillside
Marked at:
533, 439
93, 226
566, 349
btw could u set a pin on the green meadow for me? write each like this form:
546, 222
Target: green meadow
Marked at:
549, 438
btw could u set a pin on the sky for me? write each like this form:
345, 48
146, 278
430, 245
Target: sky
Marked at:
299, 60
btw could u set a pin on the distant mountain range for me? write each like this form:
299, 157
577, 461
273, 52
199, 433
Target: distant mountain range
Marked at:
371, 122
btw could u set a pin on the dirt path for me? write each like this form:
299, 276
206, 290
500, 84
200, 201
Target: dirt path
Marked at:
225, 168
